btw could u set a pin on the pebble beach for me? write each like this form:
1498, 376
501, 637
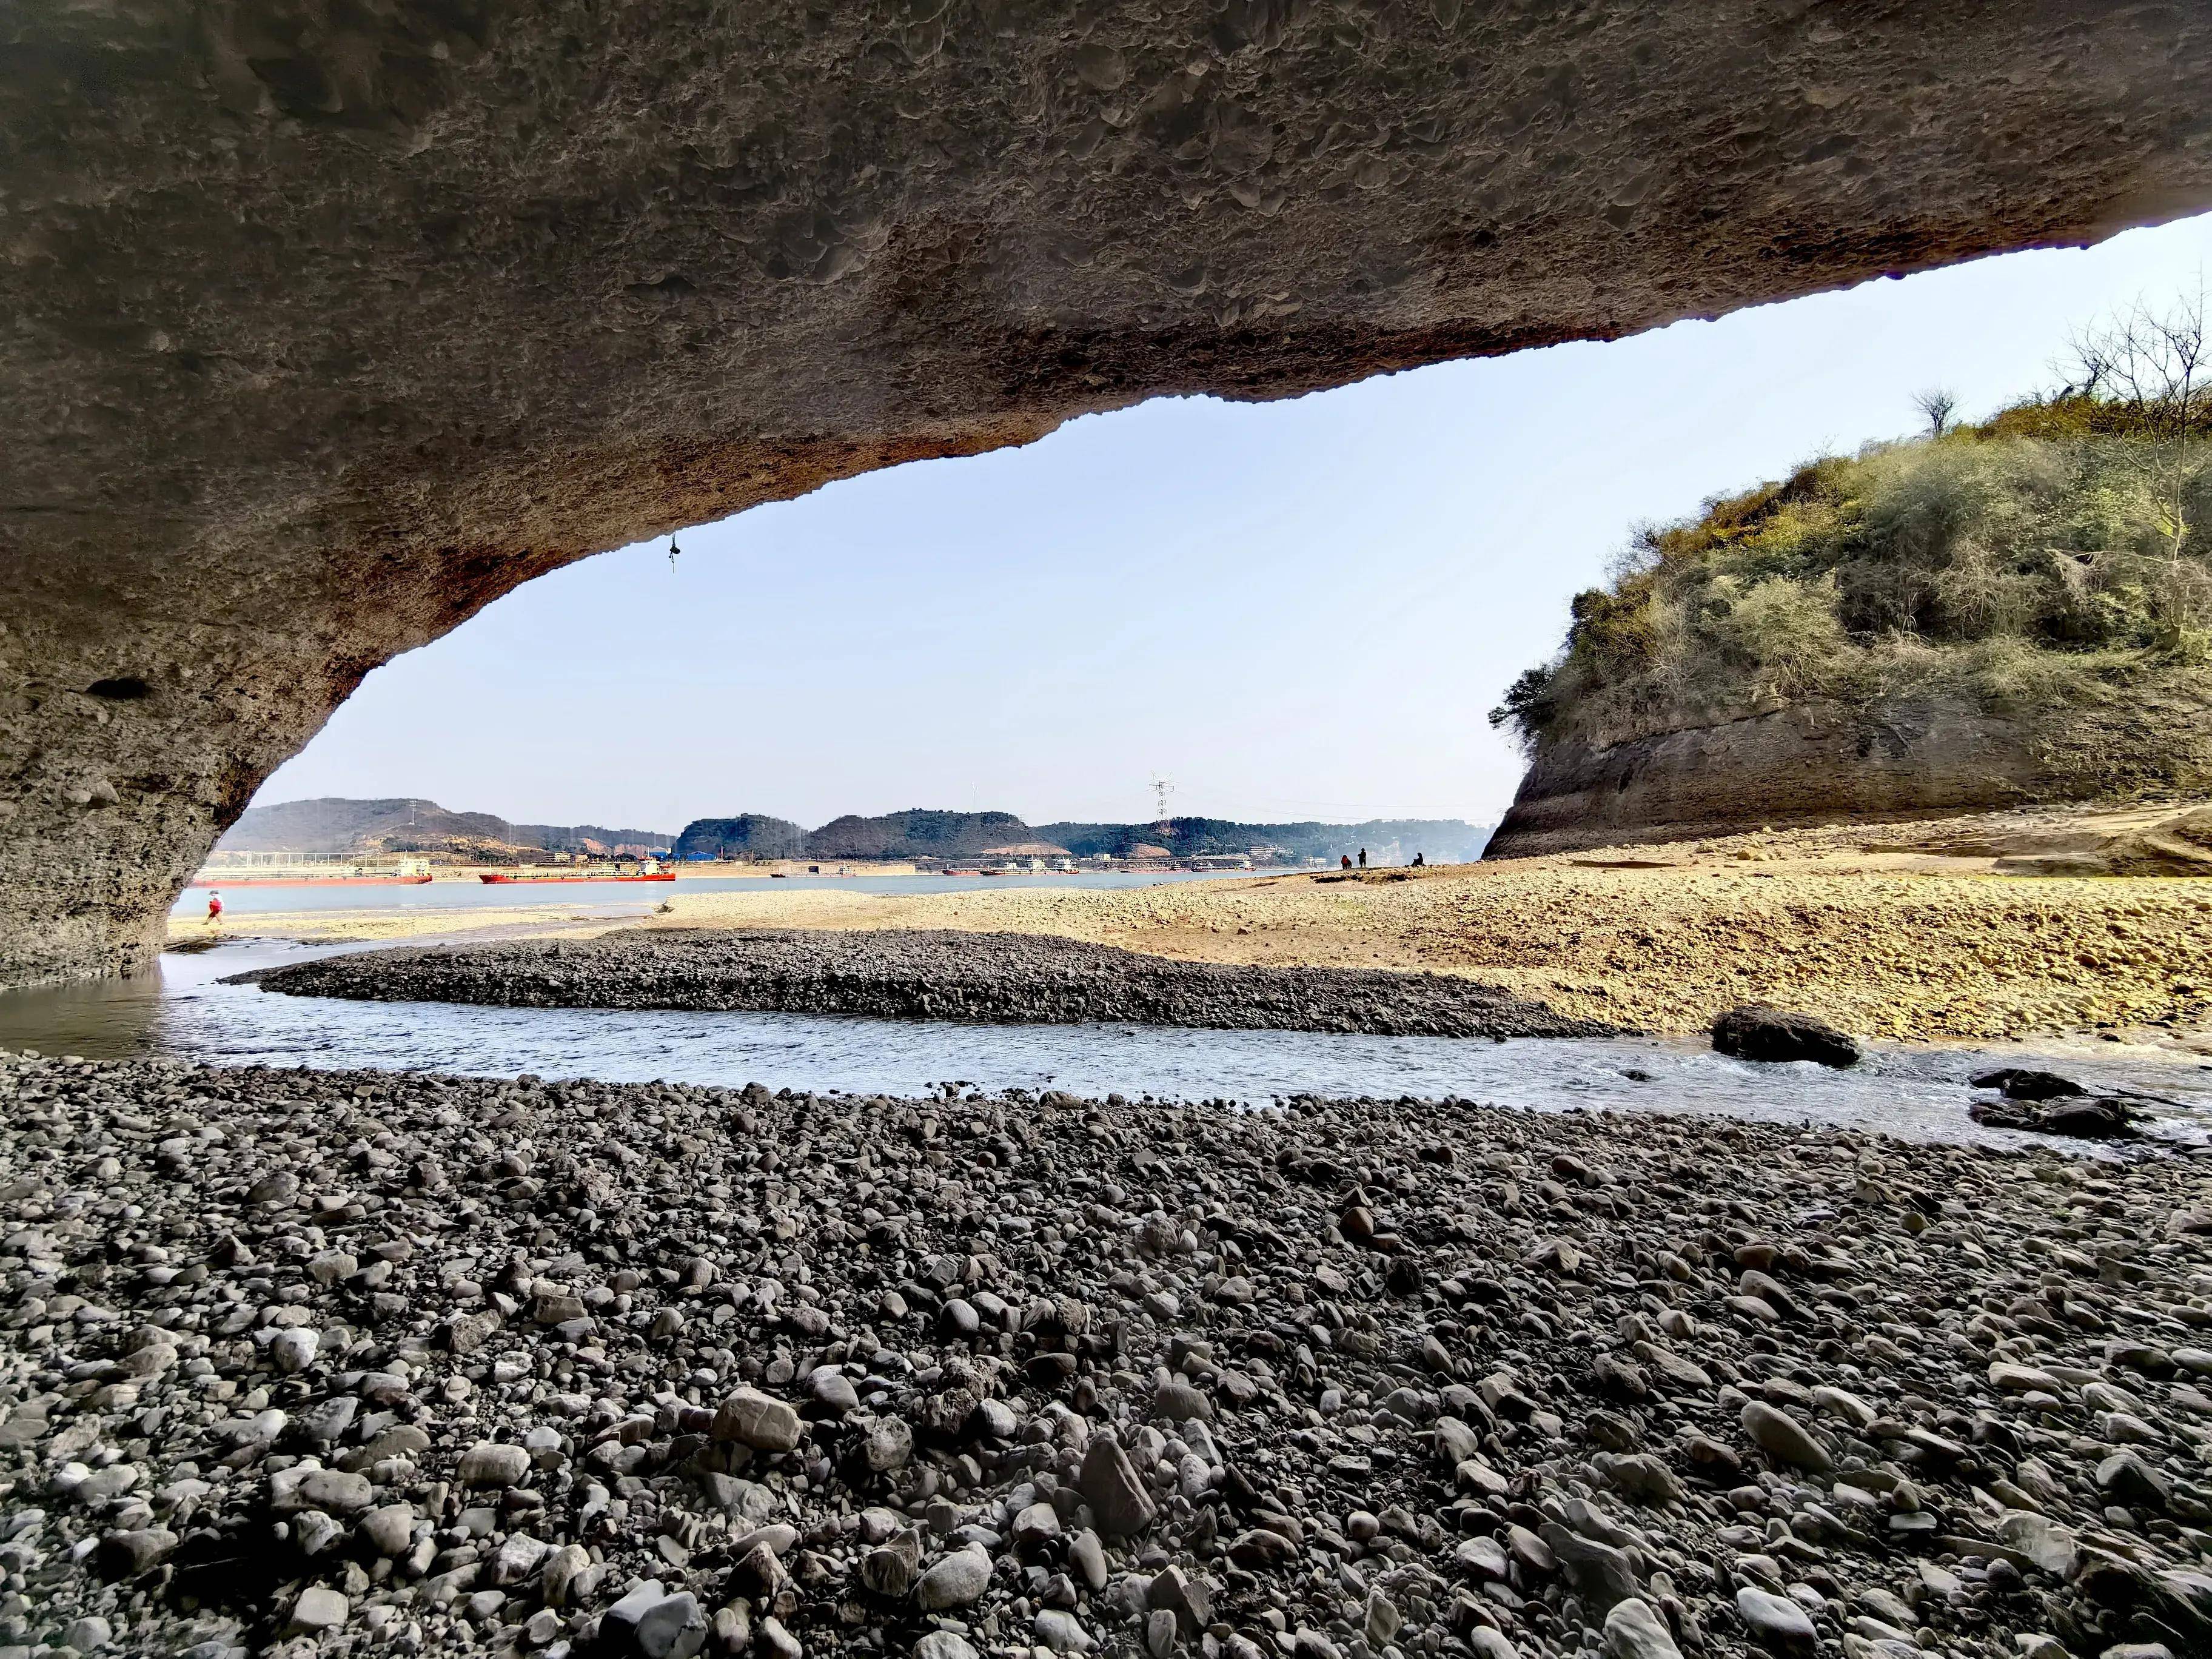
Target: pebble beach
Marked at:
334, 1363
908, 974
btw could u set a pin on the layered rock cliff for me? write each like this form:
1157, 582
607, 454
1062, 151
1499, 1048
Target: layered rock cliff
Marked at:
2013, 613
1827, 763
328, 325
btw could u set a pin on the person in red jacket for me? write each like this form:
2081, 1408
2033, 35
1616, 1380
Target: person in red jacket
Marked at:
215, 909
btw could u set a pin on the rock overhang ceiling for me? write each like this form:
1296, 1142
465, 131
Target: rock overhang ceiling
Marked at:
327, 323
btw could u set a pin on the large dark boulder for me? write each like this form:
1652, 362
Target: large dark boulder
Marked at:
2083, 1118
2018, 1083
1757, 1032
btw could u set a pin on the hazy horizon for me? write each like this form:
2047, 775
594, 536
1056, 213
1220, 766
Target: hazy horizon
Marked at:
1297, 611
673, 829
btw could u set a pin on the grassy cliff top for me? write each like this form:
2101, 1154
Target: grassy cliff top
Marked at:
2044, 558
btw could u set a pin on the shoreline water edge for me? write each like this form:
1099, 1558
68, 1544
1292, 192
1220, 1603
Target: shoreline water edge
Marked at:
1910, 931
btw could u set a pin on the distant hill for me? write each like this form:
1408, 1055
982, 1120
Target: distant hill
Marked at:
916, 833
923, 834
748, 835
335, 825
1388, 840
338, 826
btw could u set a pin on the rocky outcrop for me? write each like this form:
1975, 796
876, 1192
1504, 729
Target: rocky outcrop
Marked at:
328, 325
1826, 762
1753, 1031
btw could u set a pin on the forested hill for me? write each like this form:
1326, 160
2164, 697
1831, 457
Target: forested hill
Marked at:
340, 826
1390, 840
2014, 612
336, 825
921, 833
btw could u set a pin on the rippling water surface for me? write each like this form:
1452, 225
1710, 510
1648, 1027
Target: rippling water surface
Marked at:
1918, 1092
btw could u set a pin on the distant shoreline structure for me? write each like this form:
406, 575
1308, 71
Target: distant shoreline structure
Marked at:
336, 827
923, 835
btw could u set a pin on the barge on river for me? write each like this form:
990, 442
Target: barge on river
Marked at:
263, 870
645, 870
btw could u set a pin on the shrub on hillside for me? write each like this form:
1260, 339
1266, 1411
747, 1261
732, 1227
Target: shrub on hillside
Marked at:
2038, 559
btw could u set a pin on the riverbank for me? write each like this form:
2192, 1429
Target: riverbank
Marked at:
355, 926
1864, 926
481, 1364
994, 979
1911, 931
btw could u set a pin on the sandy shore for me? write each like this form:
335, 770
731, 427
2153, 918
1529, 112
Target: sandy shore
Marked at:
1888, 943
347, 927
556, 910
772, 868
1862, 926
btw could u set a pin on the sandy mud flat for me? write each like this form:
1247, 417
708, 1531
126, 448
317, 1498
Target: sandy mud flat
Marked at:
1859, 925
1905, 932
356, 1363
996, 978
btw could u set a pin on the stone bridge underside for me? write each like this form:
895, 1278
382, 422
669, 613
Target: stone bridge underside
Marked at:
327, 321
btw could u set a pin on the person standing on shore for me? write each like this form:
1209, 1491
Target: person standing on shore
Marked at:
1345, 859
214, 910
1363, 858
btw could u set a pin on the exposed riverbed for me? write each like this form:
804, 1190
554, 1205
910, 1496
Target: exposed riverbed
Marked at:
449, 906
1914, 1091
438, 1365
906, 974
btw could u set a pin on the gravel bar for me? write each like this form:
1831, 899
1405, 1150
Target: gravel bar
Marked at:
989, 978
328, 1363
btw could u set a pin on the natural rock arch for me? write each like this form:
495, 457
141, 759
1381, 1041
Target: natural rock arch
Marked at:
328, 324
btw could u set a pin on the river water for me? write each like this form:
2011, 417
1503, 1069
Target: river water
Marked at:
599, 899
1920, 1093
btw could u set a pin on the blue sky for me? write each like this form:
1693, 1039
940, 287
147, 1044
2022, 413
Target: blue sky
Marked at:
1298, 610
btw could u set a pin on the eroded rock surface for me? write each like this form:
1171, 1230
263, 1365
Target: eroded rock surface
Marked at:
1825, 762
328, 325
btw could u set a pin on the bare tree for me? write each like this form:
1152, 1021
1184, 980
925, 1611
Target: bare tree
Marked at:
1937, 405
2153, 367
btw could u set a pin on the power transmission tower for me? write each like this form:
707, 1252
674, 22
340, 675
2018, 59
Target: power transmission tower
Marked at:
1162, 788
